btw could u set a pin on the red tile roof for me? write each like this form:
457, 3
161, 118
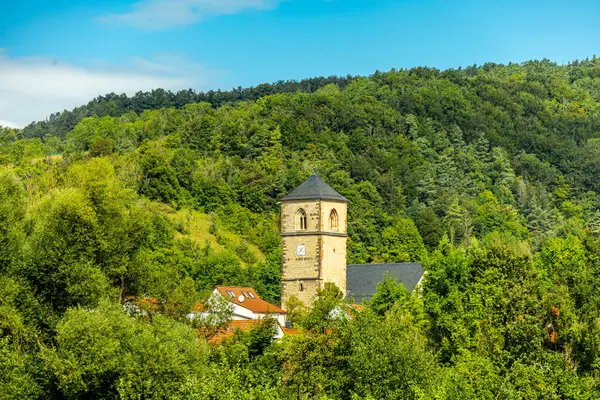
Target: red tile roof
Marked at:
229, 330
199, 307
146, 303
352, 310
289, 331
251, 300
244, 326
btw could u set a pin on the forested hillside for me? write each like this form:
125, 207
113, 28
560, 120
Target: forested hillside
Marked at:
61, 123
490, 176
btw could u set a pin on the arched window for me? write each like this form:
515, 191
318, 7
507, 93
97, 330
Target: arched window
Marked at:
301, 220
334, 221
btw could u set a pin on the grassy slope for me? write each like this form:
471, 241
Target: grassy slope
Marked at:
197, 227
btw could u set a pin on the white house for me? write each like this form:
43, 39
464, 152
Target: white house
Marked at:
246, 304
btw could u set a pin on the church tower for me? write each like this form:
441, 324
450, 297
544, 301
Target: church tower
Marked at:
313, 233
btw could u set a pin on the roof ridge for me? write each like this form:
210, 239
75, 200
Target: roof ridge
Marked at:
234, 287
254, 303
314, 188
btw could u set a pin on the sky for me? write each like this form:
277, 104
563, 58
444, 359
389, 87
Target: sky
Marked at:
59, 54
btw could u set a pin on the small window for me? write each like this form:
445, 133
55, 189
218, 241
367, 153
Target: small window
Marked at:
230, 293
334, 221
301, 287
245, 294
251, 295
301, 220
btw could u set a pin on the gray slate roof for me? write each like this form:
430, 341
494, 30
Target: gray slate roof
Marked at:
314, 188
362, 279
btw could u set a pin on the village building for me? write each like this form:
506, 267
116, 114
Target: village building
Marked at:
248, 309
246, 326
314, 234
246, 305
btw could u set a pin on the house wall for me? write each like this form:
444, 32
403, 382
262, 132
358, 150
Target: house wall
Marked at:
239, 312
279, 317
278, 332
242, 313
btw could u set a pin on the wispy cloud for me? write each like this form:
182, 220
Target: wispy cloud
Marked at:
8, 124
33, 88
163, 14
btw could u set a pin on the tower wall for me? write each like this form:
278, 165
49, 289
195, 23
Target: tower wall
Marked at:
326, 207
333, 245
324, 258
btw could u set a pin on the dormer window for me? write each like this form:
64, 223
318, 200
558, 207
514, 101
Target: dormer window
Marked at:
334, 221
301, 220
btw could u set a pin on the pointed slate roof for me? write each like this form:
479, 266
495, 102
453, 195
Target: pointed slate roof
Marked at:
314, 188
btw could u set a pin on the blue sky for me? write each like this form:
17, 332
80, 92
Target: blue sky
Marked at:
59, 54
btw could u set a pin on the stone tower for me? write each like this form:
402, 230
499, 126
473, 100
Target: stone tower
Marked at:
313, 232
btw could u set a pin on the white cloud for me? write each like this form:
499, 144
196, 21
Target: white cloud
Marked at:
163, 14
33, 88
8, 124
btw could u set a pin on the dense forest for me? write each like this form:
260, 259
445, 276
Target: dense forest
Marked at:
489, 176
61, 123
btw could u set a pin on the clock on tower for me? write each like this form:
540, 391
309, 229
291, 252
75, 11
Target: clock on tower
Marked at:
313, 234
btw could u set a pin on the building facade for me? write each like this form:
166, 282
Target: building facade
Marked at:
313, 233
245, 305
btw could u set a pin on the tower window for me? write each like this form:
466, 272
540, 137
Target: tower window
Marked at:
301, 220
334, 221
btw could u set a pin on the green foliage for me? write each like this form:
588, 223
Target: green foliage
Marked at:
389, 359
217, 314
12, 213
159, 178
101, 147
313, 366
62, 251
259, 338
103, 352
326, 311
402, 242
388, 293
487, 175
430, 227
15, 369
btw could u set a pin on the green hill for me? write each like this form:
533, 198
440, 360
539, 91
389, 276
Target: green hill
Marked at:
489, 176
204, 229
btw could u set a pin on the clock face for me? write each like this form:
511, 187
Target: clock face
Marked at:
301, 250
